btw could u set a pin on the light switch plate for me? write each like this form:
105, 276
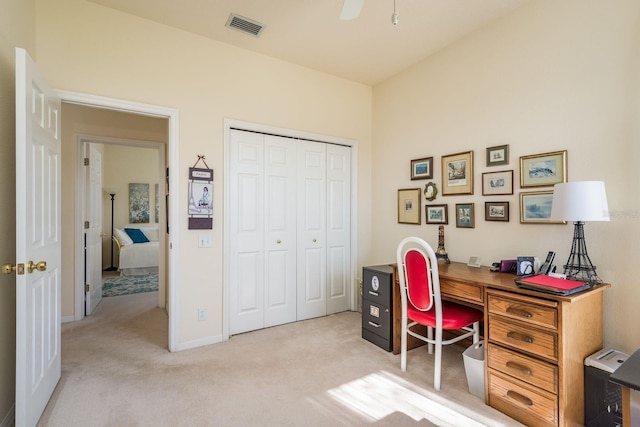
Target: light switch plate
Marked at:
204, 241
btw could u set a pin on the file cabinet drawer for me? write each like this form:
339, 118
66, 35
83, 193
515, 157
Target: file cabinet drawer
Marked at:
523, 337
524, 368
376, 318
376, 284
515, 399
524, 309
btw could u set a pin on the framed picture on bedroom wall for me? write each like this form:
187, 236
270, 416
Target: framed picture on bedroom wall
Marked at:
409, 211
457, 174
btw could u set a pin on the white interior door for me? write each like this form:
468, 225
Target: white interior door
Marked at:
93, 242
338, 228
280, 229
246, 265
37, 241
312, 259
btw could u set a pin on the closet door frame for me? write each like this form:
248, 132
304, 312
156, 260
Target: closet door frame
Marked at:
229, 125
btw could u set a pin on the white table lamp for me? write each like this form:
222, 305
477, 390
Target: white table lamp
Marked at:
579, 202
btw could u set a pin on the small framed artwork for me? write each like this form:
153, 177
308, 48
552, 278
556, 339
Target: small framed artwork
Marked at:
497, 183
544, 169
422, 168
535, 207
430, 191
465, 215
409, 206
498, 155
436, 214
496, 211
457, 174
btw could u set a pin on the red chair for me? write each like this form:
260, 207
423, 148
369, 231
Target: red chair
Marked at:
422, 304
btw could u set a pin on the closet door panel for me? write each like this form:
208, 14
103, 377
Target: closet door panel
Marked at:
312, 301
280, 230
338, 228
246, 271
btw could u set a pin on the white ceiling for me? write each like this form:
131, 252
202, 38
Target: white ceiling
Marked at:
368, 49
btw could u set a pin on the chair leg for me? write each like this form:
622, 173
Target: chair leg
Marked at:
430, 336
476, 332
438, 361
403, 346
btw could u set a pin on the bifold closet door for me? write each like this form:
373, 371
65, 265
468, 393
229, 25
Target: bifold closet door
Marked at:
263, 228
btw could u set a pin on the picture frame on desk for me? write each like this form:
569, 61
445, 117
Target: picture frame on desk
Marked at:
409, 208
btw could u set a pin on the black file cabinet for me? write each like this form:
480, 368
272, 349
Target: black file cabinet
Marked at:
377, 316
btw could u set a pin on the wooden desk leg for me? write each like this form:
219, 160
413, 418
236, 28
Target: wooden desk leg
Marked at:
626, 407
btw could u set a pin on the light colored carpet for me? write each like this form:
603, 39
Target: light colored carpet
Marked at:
126, 285
116, 371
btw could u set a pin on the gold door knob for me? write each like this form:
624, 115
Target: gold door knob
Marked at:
278, 241
10, 268
41, 266
314, 240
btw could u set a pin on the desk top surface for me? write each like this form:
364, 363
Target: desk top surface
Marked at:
629, 372
503, 281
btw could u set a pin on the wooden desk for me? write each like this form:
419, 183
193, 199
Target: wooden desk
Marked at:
536, 342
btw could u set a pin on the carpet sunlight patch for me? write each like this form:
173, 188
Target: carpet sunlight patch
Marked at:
126, 285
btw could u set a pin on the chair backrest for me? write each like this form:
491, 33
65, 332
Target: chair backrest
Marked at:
419, 290
419, 269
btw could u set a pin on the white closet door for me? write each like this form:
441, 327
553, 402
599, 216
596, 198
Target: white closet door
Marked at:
312, 301
246, 269
338, 228
280, 229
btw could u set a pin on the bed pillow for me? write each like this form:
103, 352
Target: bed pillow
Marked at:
136, 235
123, 237
151, 233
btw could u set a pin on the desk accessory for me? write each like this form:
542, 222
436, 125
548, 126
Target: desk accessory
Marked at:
552, 285
474, 261
441, 252
579, 202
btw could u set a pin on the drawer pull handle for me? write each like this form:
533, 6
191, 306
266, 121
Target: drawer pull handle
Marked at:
375, 294
375, 325
520, 337
519, 312
519, 398
518, 367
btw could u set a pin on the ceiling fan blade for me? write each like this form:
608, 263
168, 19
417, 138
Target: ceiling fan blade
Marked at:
351, 9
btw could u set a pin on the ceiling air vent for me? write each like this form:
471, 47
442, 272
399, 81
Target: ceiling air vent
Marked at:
245, 25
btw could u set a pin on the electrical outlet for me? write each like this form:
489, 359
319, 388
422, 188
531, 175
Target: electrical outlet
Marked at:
202, 314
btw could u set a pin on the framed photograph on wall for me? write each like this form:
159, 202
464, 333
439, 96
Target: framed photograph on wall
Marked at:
535, 207
497, 183
436, 214
541, 170
498, 155
496, 211
465, 215
457, 174
409, 206
422, 168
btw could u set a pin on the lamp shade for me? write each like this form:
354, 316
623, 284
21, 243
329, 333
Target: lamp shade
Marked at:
580, 201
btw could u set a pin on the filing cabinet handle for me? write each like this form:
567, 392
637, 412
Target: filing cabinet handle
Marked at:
519, 398
520, 337
518, 367
519, 312
375, 294
375, 325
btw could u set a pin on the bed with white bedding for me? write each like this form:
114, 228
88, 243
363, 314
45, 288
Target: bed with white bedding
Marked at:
138, 249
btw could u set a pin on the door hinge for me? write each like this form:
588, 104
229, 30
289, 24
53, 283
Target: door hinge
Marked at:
86, 225
86, 161
87, 287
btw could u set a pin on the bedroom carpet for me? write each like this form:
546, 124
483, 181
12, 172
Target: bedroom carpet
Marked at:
126, 285
116, 371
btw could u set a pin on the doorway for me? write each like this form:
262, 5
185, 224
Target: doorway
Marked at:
73, 258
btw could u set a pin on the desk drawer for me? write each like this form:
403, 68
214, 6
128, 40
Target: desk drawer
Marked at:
523, 337
464, 291
524, 309
530, 406
524, 368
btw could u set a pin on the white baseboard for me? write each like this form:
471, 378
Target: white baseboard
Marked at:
197, 343
9, 418
66, 319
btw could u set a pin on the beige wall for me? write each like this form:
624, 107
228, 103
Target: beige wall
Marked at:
552, 76
87, 48
17, 29
110, 126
